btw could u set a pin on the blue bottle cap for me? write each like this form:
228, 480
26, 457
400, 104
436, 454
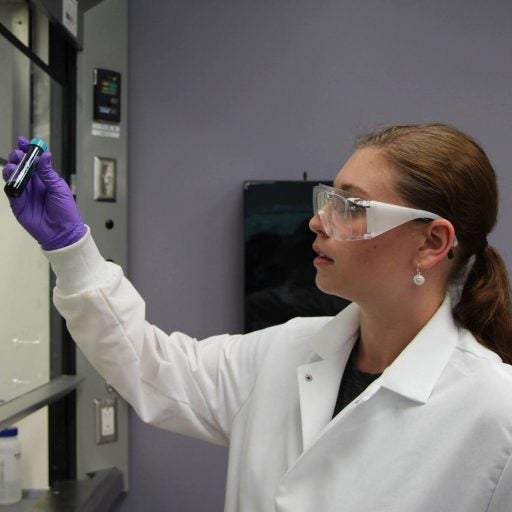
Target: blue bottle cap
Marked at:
9, 432
39, 143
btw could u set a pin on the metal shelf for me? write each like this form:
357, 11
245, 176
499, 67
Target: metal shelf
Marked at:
22, 406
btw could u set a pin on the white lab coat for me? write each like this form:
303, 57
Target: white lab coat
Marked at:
432, 434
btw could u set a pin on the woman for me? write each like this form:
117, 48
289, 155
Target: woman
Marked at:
400, 403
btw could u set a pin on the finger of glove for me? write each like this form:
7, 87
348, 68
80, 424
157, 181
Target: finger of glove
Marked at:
7, 171
15, 156
45, 170
23, 143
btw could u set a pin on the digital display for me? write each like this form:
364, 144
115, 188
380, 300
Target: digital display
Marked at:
107, 95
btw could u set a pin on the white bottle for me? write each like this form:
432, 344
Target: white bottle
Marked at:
10, 466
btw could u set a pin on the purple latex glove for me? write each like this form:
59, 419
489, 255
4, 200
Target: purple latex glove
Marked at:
46, 208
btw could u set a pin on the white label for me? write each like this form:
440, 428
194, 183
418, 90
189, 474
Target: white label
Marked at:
106, 130
70, 15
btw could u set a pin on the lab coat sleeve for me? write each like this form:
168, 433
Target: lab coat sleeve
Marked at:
502, 497
172, 381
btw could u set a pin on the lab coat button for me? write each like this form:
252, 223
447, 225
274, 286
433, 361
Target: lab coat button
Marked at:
308, 377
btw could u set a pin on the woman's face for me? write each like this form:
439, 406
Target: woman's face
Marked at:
364, 270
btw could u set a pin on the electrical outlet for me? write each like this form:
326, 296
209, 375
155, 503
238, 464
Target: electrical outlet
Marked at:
106, 424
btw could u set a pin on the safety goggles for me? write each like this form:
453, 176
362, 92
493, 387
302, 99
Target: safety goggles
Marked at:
345, 217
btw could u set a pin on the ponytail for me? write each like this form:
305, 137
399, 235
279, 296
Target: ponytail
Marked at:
485, 305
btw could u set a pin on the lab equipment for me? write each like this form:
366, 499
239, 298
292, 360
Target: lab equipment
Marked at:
21, 175
10, 466
279, 279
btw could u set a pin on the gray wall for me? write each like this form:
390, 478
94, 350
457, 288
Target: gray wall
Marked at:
221, 92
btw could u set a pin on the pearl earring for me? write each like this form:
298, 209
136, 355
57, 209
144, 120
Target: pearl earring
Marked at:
418, 278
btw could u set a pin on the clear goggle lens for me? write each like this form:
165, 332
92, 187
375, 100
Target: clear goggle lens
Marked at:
342, 217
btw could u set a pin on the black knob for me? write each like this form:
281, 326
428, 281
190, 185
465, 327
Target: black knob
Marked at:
109, 224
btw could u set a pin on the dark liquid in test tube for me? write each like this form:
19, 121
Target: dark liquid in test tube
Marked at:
21, 175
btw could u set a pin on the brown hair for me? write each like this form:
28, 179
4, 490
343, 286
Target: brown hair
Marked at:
445, 171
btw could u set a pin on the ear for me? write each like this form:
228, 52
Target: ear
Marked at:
439, 239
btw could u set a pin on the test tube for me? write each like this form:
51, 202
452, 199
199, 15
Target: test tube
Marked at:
19, 178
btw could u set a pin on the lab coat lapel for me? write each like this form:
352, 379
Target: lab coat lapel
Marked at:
318, 387
415, 372
319, 381
412, 375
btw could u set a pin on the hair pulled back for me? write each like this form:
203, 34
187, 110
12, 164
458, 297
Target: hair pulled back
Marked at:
442, 170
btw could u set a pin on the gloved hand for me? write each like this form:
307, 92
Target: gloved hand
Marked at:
46, 208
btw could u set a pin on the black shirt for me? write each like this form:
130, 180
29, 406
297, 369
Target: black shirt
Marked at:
353, 383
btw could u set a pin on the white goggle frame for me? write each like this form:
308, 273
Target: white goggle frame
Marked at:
345, 217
